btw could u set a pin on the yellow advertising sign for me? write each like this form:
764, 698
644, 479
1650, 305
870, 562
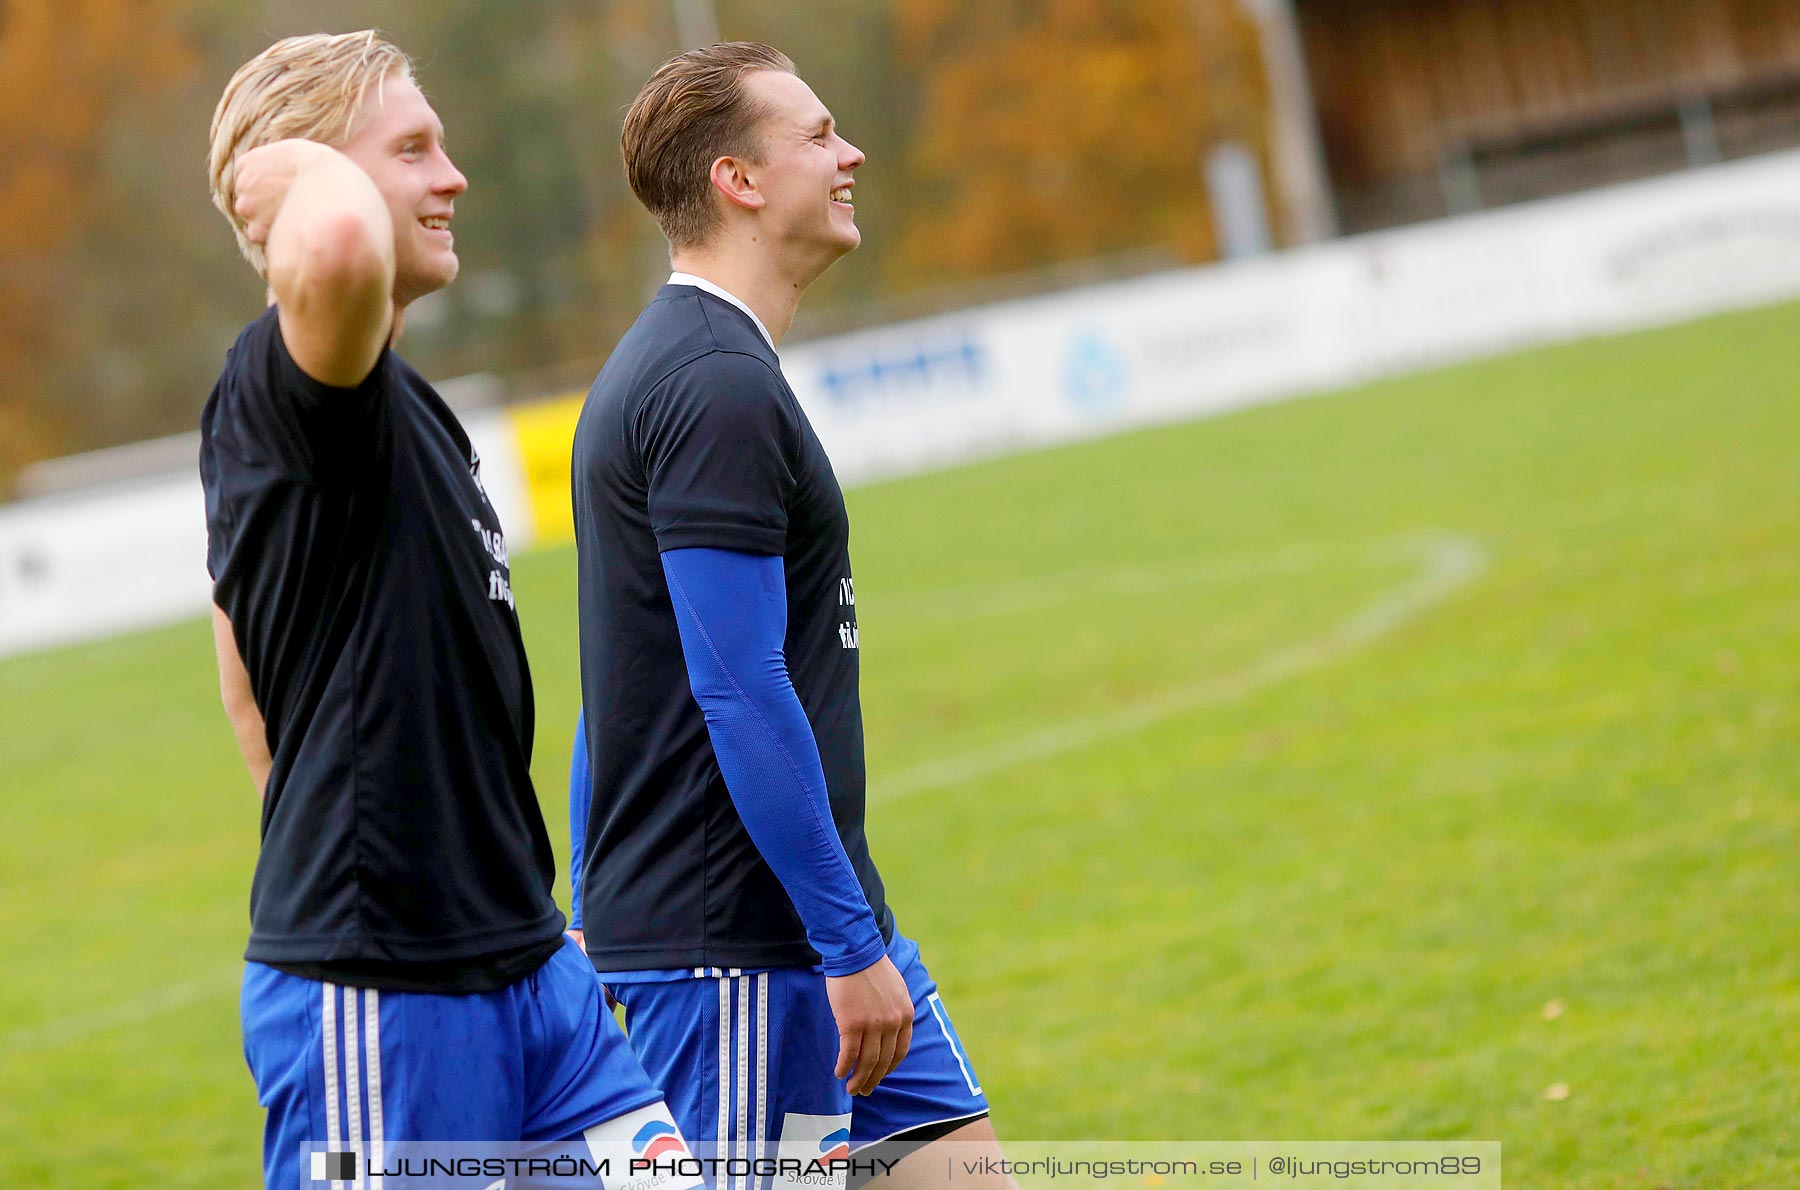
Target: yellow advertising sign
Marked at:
546, 437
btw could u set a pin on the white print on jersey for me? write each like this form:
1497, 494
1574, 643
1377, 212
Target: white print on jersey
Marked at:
847, 633
499, 589
494, 542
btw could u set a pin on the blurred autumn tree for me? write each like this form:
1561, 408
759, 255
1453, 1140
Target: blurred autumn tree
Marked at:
1000, 137
66, 68
1052, 130
532, 96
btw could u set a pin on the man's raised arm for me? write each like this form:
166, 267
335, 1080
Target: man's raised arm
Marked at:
328, 238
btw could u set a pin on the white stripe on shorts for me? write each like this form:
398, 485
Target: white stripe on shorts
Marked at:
743, 1073
372, 1047
943, 1020
352, 1078
762, 1064
724, 1133
328, 1023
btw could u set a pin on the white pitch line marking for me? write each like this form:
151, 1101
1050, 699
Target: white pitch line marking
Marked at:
60, 1031
1040, 591
1449, 561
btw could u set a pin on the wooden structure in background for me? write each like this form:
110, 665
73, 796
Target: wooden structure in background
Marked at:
1428, 107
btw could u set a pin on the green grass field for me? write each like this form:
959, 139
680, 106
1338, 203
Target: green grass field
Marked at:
1260, 778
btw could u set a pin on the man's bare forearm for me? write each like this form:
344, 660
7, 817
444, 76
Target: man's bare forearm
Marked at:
329, 242
240, 703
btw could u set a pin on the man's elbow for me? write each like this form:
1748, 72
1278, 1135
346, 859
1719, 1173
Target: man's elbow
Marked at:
340, 256
723, 701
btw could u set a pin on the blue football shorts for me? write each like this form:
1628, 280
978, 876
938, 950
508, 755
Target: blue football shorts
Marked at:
746, 1062
540, 1061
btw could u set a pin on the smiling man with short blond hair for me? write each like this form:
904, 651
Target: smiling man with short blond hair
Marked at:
407, 976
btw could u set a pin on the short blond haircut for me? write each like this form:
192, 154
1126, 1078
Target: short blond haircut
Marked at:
310, 87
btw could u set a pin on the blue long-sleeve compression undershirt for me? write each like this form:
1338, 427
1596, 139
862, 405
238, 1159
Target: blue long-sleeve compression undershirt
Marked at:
581, 794
731, 610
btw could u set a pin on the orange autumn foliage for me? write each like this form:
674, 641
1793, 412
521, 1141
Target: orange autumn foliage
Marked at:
1066, 129
65, 67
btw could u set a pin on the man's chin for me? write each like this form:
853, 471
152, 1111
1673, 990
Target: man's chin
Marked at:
417, 285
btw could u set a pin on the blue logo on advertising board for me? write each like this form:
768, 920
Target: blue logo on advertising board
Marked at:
1095, 375
955, 362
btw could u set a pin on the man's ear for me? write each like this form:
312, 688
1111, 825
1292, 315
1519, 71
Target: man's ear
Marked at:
730, 176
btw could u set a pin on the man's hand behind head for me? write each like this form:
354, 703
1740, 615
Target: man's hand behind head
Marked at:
264, 176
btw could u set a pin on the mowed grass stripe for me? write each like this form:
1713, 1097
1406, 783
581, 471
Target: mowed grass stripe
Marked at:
1333, 906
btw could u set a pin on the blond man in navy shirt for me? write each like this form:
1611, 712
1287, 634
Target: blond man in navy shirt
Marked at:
407, 977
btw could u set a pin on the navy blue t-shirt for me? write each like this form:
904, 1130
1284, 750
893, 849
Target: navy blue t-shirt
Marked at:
366, 579
691, 438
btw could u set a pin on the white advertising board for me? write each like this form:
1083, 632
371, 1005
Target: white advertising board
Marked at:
938, 391
87, 565
1201, 341
82, 565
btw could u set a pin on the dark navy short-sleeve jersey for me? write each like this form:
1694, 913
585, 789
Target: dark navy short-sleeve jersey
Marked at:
367, 583
691, 438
